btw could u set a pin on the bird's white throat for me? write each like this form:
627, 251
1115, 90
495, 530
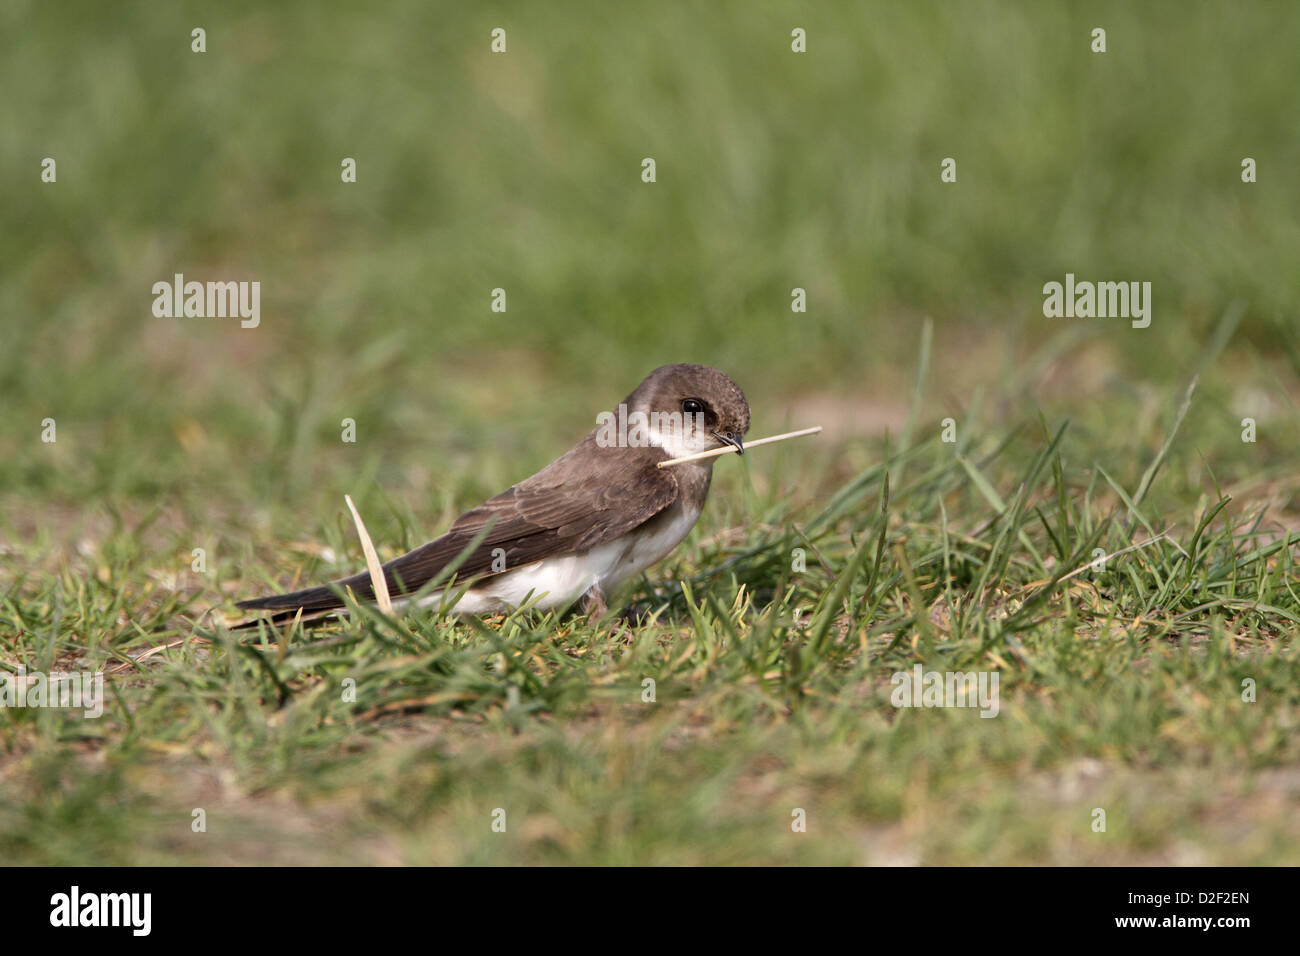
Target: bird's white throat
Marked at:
677, 433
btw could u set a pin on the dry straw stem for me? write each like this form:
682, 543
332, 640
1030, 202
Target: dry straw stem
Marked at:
715, 452
372, 561
1115, 554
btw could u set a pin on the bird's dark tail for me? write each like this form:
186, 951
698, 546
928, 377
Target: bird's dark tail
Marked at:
312, 602
425, 567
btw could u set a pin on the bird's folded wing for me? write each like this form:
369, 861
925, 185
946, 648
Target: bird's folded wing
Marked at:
584, 498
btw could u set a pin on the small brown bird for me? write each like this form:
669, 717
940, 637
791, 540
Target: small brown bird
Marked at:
593, 518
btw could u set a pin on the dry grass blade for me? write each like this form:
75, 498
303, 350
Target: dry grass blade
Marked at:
1115, 554
372, 561
715, 452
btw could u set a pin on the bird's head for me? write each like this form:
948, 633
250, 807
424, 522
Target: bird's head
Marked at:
691, 408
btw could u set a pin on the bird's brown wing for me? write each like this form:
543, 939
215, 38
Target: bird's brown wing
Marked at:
586, 497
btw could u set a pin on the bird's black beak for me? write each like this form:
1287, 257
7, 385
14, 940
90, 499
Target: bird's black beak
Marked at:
730, 439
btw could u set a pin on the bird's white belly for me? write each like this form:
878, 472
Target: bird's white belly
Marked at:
559, 581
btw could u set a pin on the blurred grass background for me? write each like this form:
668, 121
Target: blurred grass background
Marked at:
522, 171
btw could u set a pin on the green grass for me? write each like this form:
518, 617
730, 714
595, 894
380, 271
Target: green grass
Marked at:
381, 740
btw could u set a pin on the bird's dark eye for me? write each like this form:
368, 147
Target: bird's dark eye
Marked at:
692, 406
